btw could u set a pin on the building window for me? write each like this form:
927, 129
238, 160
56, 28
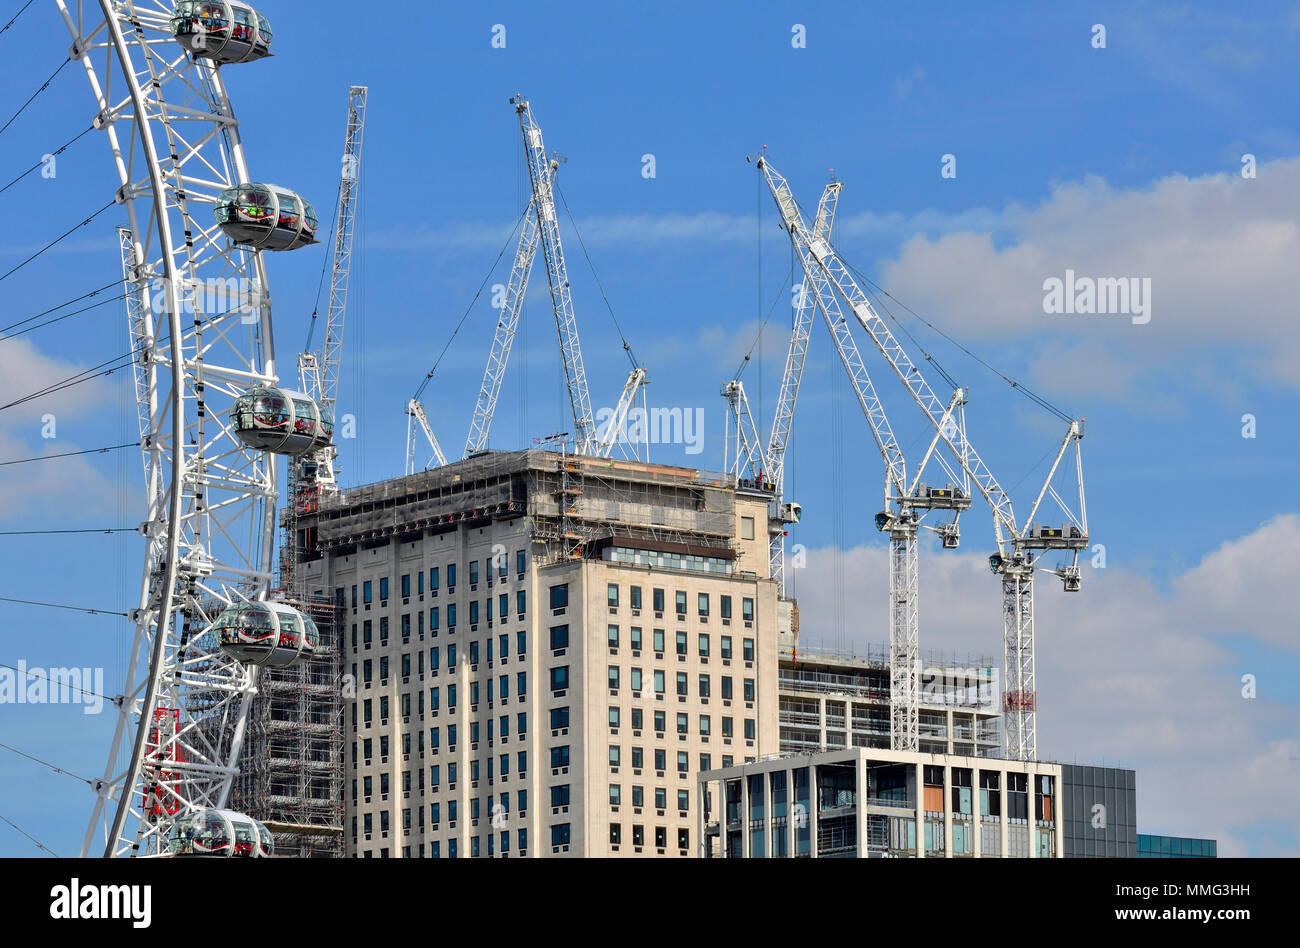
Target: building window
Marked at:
383, 589
681, 602
659, 640
560, 596
366, 592
749, 689
406, 586
611, 595
433, 580
703, 642
521, 560
614, 717
635, 638
748, 650
560, 678
559, 757
658, 597
559, 637
560, 834
703, 604
613, 636
521, 599
473, 572
451, 576
747, 528
681, 643
615, 834
634, 597
659, 681
724, 606
613, 678
747, 609
451, 616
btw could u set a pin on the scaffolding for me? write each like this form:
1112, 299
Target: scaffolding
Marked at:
291, 770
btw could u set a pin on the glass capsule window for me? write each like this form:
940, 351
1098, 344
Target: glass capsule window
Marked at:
281, 422
266, 218
225, 32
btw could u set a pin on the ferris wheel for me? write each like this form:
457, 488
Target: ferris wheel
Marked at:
212, 418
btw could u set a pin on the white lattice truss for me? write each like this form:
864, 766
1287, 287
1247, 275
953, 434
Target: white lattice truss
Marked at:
200, 321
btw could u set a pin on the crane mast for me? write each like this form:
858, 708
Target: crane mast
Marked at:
781, 514
905, 504
748, 461
319, 375
314, 474
1017, 546
541, 175
499, 355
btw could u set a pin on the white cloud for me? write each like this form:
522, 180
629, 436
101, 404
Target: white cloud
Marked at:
65, 489
1220, 251
1127, 675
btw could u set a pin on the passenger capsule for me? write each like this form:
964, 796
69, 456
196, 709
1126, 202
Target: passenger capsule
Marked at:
266, 217
266, 633
225, 32
219, 833
280, 421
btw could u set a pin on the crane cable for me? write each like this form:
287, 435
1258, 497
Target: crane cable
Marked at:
627, 346
1028, 393
504, 247
325, 267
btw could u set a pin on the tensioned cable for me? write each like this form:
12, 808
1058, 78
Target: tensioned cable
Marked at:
66, 233
1028, 393
70, 454
14, 18
59, 319
45, 86
504, 247
38, 843
55, 605
52, 533
46, 763
53, 309
58, 151
779, 293
325, 267
627, 346
77, 379
62, 684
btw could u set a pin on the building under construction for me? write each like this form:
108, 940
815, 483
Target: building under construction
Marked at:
291, 770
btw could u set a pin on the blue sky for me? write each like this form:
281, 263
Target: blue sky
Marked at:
1122, 161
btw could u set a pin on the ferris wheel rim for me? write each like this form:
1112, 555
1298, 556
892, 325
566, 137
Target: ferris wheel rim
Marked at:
159, 609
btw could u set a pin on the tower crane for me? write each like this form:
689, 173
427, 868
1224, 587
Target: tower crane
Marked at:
540, 227
749, 460
906, 502
318, 374
1017, 545
314, 474
541, 176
